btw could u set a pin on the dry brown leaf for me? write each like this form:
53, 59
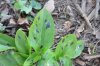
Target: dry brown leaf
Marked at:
80, 62
67, 25
22, 20
81, 28
49, 6
12, 21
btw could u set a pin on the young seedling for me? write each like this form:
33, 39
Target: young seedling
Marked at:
27, 5
36, 49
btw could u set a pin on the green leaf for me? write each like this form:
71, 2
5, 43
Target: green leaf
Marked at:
21, 5
7, 40
19, 59
69, 46
48, 55
4, 48
65, 41
27, 9
35, 4
22, 43
41, 33
32, 59
74, 50
8, 60
65, 61
50, 62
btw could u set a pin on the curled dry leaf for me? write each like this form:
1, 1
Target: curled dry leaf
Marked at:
49, 6
22, 21
67, 25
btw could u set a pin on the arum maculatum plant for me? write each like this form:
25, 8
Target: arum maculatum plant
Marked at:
36, 48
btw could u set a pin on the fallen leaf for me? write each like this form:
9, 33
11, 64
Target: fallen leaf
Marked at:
49, 6
67, 25
81, 28
12, 21
5, 17
82, 63
22, 21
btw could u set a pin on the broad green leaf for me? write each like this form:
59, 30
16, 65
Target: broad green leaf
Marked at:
35, 4
75, 50
65, 61
48, 54
7, 40
7, 60
22, 43
4, 48
58, 51
32, 59
50, 62
41, 33
65, 42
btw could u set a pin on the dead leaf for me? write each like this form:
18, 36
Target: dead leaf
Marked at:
50, 6
12, 21
78, 61
81, 28
22, 21
67, 25
5, 17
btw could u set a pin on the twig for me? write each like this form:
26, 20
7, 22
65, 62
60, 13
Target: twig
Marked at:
91, 57
95, 46
97, 8
83, 5
83, 15
91, 15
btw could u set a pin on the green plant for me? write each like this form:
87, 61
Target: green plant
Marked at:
27, 5
36, 49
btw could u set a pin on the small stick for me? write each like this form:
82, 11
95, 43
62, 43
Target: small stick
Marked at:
91, 15
83, 5
97, 8
91, 57
83, 15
